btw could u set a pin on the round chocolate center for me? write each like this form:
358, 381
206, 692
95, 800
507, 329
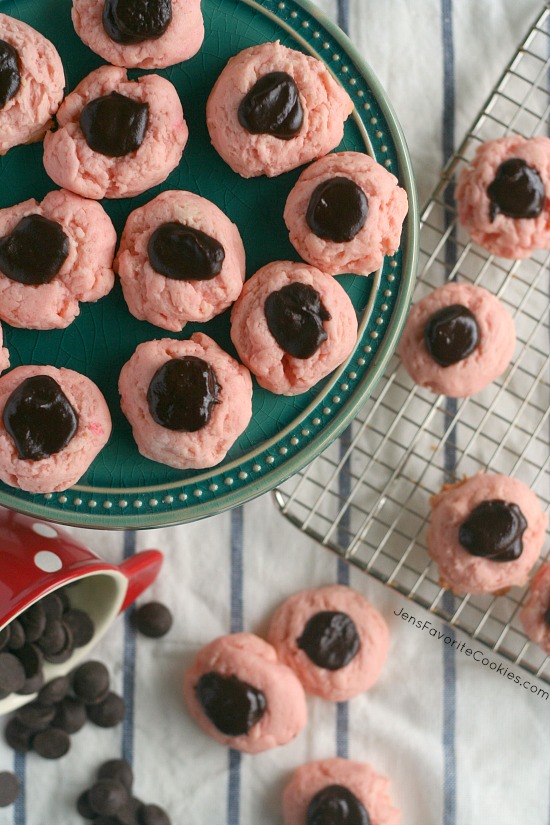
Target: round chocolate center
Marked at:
295, 316
114, 124
330, 639
133, 21
272, 107
494, 530
10, 76
517, 191
183, 393
231, 705
451, 334
336, 805
39, 418
34, 252
337, 210
185, 254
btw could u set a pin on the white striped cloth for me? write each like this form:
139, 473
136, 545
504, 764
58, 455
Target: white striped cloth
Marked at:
461, 744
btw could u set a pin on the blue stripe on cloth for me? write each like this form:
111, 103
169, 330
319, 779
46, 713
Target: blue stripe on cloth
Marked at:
449, 663
236, 624
20, 806
129, 665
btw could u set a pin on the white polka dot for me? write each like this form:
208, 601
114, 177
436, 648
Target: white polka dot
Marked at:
47, 561
44, 530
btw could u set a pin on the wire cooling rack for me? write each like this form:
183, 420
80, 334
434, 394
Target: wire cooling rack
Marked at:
367, 496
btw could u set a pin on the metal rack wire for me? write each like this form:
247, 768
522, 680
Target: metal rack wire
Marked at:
367, 496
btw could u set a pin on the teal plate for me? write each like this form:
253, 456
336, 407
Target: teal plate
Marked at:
122, 489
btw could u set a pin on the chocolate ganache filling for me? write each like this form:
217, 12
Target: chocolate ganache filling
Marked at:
185, 254
330, 639
114, 125
337, 210
517, 191
39, 417
133, 21
34, 251
336, 805
451, 334
183, 393
494, 530
272, 107
10, 76
231, 705
295, 316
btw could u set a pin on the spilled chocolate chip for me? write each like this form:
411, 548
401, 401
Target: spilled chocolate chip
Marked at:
133, 21
336, 805
107, 796
182, 253
152, 619
35, 716
272, 107
330, 639
39, 417
494, 530
9, 788
517, 190
295, 315
337, 210
451, 334
91, 682
34, 251
114, 124
10, 76
51, 743
231, 705
107, 713
118, 769
183, 393
152, 815
18, 736
70, 715
54, 691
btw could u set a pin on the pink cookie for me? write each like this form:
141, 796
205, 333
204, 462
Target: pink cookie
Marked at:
439, 321
345, 213
36, 83
292, 325
333, 639
43, 291
318, 789
242, 696
535, 614
142, 150
504, 196
187, 401
476, 514
291, 102
176, 37
69, 424
170, 231
4, 355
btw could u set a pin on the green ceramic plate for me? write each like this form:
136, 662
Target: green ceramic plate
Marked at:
122, 489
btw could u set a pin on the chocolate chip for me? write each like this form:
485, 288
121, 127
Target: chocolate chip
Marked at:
153, 619
494, 530
231, 705
129, 813
17, 635
70, 715
54, 638
517, 190
10, 76
107, 796
34, 251
83, 806
330, 639
118, 769
451, 334
272, 107
63, 597
33, 621
114, 125
106, 820
337, 210
337, 805
53, 607
91, 682
54, 691
51, 743
32, 659
35, 716
66, 651
32, 684
9, 788
12, 673
295, 316
133, 21
18, 736
153, 815
5, 637
41, 421
109, 712
183, 393
182, 253
81, 626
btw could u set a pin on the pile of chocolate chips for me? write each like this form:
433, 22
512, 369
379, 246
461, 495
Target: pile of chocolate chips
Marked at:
48, 631
109, 801
62, 708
